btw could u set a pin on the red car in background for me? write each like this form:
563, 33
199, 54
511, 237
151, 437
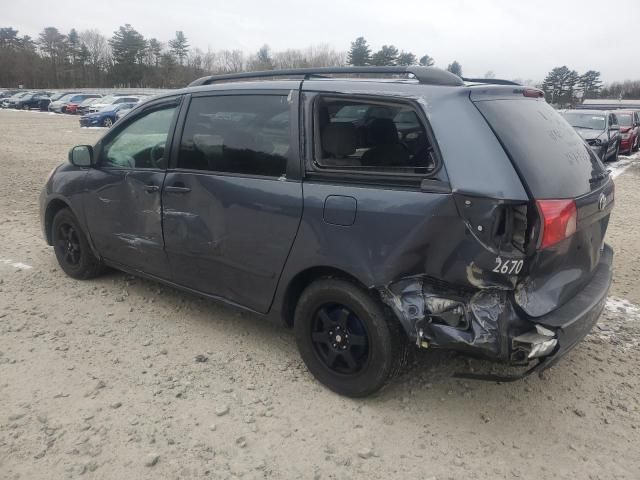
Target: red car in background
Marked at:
629, 121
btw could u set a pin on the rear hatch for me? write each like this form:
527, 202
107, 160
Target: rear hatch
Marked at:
571, 196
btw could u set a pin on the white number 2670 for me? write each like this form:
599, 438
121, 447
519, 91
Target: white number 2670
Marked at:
508, 267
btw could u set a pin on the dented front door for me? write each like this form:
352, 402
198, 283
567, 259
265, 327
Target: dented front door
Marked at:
125, 218
124, 190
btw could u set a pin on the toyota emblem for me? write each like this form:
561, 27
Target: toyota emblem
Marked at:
602, 201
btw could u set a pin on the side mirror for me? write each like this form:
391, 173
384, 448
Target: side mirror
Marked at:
81, 156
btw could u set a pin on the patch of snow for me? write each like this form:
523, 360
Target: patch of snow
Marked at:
11, 263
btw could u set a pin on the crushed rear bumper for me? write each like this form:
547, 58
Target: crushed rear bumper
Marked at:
489, 323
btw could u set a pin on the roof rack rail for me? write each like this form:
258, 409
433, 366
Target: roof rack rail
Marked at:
425, 75
490, 81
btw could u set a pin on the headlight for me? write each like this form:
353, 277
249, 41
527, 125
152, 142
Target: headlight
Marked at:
626, 135
597, 141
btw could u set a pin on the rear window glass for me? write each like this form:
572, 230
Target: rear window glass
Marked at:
552, 159
371, 136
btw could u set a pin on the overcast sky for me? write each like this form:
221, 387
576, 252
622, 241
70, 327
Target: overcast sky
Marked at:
515, 39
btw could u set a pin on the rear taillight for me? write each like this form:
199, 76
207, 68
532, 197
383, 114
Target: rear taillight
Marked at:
559, 219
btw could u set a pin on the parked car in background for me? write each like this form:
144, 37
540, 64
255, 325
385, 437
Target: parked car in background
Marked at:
13, 98
60, 106
112, 100
629, 121
83, 107
73, 105
256, 195
38, 100
124, 110
7, 93
599, 128
106, 116
57, 102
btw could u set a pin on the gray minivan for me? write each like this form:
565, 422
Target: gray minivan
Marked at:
369, 214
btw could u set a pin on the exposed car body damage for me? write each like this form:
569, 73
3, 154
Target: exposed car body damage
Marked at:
302, 206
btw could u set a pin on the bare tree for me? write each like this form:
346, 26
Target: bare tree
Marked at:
230, 61
99, 53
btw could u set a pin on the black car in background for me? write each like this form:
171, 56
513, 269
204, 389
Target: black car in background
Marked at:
38, 101
599, 128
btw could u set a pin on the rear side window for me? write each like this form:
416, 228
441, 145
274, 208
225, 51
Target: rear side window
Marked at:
241, 134
370, 136
552, 159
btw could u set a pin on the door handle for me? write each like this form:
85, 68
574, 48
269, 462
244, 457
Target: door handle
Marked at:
177, 189
151, 188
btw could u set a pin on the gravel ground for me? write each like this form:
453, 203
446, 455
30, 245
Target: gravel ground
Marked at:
120, 377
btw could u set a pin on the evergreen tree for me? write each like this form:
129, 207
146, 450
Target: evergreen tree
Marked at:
426, 61
179, 46
455, 68
560, 85
407, 58
53, 45
590, 84
386, 56
128, 49
155, 51
360, 53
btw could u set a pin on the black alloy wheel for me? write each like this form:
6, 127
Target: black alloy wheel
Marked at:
68, 245
340, 339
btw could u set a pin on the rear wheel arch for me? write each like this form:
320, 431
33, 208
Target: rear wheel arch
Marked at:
303, 279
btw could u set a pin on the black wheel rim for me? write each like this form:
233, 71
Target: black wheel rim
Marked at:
68, 245
340, 339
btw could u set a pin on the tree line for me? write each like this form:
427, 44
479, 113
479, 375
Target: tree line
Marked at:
565, 87
127, 59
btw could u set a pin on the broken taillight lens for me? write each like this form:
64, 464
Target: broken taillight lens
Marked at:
559, 220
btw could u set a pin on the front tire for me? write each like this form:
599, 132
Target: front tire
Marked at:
107, 122
72, 249
346, 338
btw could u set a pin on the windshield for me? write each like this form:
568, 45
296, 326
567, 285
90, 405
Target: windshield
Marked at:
624, 119
585, 120
66, 98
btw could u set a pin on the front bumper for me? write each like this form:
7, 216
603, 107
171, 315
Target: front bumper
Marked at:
90, 122
488, 323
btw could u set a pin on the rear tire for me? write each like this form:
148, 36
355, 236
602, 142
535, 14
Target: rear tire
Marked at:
72, 249
346, 338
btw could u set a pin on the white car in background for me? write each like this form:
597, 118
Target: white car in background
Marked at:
110, 100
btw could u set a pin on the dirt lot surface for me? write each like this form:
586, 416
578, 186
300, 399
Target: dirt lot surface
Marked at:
122, 378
